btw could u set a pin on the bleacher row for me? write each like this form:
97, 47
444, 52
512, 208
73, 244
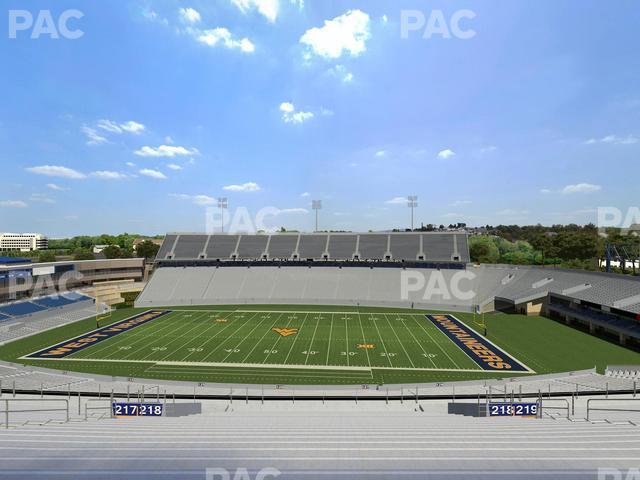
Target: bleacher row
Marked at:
27, 378
37, 305
615, 291
408, 246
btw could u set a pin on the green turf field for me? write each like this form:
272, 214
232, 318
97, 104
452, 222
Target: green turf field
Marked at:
314, 345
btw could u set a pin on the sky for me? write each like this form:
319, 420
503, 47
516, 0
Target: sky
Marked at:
141, 114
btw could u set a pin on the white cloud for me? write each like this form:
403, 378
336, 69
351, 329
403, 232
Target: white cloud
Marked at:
245, 187
173, 166
488, 149
13, 204
189, 15
341, 72
165, 151
510, 212
292, 211
381, 153
290, 115
133, 127
445, 154
57, 171
147, 172
222, 36
267, 8
57, 188
305, 194
130, 164
397, 201
108, 175
545, 191
460, 203
42, 198
614, 140
201, 200
118, 128
581, 188
93, 137
169, 140
347, 33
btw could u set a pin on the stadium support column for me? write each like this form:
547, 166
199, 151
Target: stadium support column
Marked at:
317, 206
412, 202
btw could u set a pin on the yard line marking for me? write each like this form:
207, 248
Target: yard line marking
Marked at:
196, 324
364, 340
213, 324
106, 346
399, 341
242, 324
275, 344
418, 343
382, 340
262, 338
329, 345
306, 360
293, 344
438, 343
346, 333
220, 332
240, 343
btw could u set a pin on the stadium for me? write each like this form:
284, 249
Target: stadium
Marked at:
311, 240
401, 323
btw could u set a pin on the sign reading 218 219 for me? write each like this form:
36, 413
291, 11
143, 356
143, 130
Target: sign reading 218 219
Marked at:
137, 409
513, 409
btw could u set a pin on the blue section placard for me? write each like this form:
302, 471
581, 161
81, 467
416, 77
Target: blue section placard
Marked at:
513, 409
137, 409
484, 353
74, 345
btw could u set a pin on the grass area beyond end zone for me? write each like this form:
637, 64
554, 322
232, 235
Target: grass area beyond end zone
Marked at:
331, 345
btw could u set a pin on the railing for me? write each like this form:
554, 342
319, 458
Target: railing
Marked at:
7, 411
592, 409
94, 400
570, 408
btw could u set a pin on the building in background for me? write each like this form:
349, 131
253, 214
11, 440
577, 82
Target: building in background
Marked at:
23, 242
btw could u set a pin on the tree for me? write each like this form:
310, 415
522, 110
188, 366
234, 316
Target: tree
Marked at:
46, 256
147, 249
483, 250
83, 254
112, 251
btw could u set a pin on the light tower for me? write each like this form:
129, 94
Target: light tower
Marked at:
412, 202
222, 205
316, 205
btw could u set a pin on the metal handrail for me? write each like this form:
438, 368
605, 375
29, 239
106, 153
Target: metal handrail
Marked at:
7, 411
566, 407
87, 407
589, 408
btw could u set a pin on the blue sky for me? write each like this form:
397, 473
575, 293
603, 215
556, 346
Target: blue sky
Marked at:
160, 107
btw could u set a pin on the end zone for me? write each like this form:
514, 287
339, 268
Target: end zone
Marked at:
484, 353
81, 342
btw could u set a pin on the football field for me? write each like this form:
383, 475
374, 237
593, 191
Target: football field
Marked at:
272, 346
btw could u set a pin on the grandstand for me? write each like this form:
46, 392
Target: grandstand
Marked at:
397, 247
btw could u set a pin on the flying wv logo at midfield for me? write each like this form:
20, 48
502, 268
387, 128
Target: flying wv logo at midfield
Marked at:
285, 332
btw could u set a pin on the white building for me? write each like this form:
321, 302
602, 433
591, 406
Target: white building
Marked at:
24, 242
